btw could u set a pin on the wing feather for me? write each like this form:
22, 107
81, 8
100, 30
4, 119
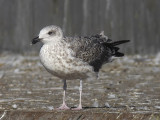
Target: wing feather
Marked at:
96, 50
90, 49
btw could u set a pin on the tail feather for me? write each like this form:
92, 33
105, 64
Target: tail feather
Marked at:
119, 42
118, 54
113, 47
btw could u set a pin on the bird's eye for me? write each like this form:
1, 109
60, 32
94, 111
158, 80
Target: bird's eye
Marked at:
51, 32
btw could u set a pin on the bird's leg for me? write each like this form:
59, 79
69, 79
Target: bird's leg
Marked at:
64, 106
80, 91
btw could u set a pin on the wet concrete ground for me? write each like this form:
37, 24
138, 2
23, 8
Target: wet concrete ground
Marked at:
127, 88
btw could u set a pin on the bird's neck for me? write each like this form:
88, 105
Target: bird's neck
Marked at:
56, 43
56, 40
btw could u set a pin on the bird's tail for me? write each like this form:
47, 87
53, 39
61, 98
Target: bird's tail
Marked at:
119, 42
114, 49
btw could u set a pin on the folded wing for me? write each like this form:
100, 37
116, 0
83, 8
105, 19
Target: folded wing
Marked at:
96, 50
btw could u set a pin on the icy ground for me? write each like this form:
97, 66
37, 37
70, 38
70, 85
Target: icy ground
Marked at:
131, 83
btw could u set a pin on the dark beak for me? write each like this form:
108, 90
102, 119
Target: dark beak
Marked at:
35, 40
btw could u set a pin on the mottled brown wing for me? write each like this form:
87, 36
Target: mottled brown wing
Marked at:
90, 50
95, 50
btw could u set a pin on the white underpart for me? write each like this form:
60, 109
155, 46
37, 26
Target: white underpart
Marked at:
59, 60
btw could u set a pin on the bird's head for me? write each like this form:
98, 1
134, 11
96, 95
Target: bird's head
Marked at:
48, 34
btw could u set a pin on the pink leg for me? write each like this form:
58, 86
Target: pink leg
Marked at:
80, 102
64, 106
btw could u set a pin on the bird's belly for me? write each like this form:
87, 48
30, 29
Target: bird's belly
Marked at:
64, 66
66, 70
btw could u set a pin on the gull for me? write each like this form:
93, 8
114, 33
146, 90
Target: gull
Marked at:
72, 58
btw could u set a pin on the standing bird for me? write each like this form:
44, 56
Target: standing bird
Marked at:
70, 58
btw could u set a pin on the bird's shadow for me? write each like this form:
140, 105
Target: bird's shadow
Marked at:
87, 107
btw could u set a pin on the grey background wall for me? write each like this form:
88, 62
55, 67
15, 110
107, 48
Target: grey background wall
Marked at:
137, 20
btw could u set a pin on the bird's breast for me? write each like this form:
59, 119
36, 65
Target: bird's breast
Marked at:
59, 61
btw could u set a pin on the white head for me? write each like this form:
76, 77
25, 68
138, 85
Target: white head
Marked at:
48, 34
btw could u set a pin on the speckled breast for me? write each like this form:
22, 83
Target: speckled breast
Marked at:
59, 61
